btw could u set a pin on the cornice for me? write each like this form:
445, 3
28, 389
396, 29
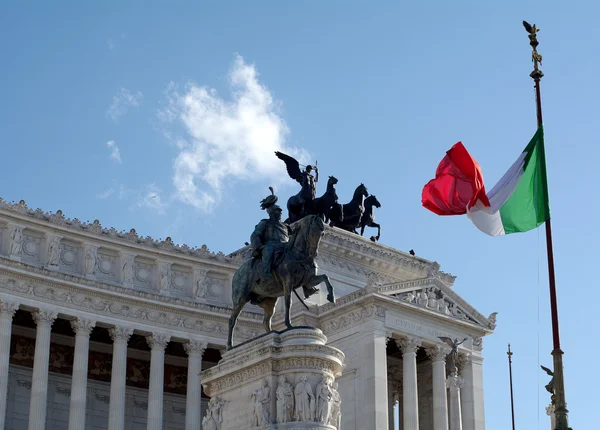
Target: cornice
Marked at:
21, 213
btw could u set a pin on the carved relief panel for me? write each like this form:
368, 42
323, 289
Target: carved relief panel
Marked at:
181, 280
143, 272
70, 255
31, 246
107, 264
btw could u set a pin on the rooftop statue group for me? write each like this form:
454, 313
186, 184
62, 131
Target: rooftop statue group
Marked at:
357, 213
284, 253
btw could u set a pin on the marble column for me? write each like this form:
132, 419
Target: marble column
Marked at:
82, 329
39, 380
373, 379
438, 354
410, 397
157, 342
454, 383
394, 388
471, 370
116, 414
7, 311
193, 414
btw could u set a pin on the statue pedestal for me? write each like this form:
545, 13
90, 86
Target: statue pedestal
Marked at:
283, 380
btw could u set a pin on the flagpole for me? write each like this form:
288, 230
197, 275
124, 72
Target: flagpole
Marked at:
512, 404
561, 412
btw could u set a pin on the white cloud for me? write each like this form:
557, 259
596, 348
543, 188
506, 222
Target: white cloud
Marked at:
152, 199
122, 101
105, 194
111, 44
115, 154
226, 140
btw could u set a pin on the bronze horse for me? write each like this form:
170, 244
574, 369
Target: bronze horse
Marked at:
321, 206
348, 216
296, 268
368, 218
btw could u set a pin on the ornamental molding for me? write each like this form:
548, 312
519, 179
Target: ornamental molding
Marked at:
208, 319
353, 317
58, 221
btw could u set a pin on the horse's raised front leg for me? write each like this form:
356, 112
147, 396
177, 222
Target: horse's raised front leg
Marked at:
362, 229
268, 305
317, 279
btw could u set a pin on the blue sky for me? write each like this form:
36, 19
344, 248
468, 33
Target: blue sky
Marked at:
188, 93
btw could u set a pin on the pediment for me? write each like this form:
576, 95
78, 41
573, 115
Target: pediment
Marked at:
433, 295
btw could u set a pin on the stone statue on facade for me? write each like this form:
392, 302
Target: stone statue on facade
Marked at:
324, 398
200, 284
300, 205
305, 400
16, 240
283, 259
53, 251
261, 401
163, 277
336, 409
127, 270
452, 356
90, 260
285, 400
214, 414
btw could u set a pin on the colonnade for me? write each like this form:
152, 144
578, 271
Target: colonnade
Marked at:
157, 341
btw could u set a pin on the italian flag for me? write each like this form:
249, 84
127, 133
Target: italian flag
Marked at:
517, 203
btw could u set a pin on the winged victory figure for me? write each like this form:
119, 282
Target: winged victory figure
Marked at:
300, 205
453, 344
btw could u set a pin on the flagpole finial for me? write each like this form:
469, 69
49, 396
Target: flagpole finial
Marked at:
536, 57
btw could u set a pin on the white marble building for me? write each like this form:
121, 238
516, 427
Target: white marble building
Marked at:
107, 330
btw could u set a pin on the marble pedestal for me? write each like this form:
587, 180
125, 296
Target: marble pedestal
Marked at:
283, 380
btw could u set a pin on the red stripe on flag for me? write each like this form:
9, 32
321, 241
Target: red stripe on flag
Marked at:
458, 183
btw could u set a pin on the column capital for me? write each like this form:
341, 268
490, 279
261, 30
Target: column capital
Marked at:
408, 344
120, 333
478, 343
83, 326
195, 347
8, 308
437, 352
44, 316
455, 381
158, 340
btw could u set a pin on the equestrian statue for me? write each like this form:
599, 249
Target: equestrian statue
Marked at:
300, 205
283, 259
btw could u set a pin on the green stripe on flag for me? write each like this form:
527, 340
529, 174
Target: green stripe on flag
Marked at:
528, 207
